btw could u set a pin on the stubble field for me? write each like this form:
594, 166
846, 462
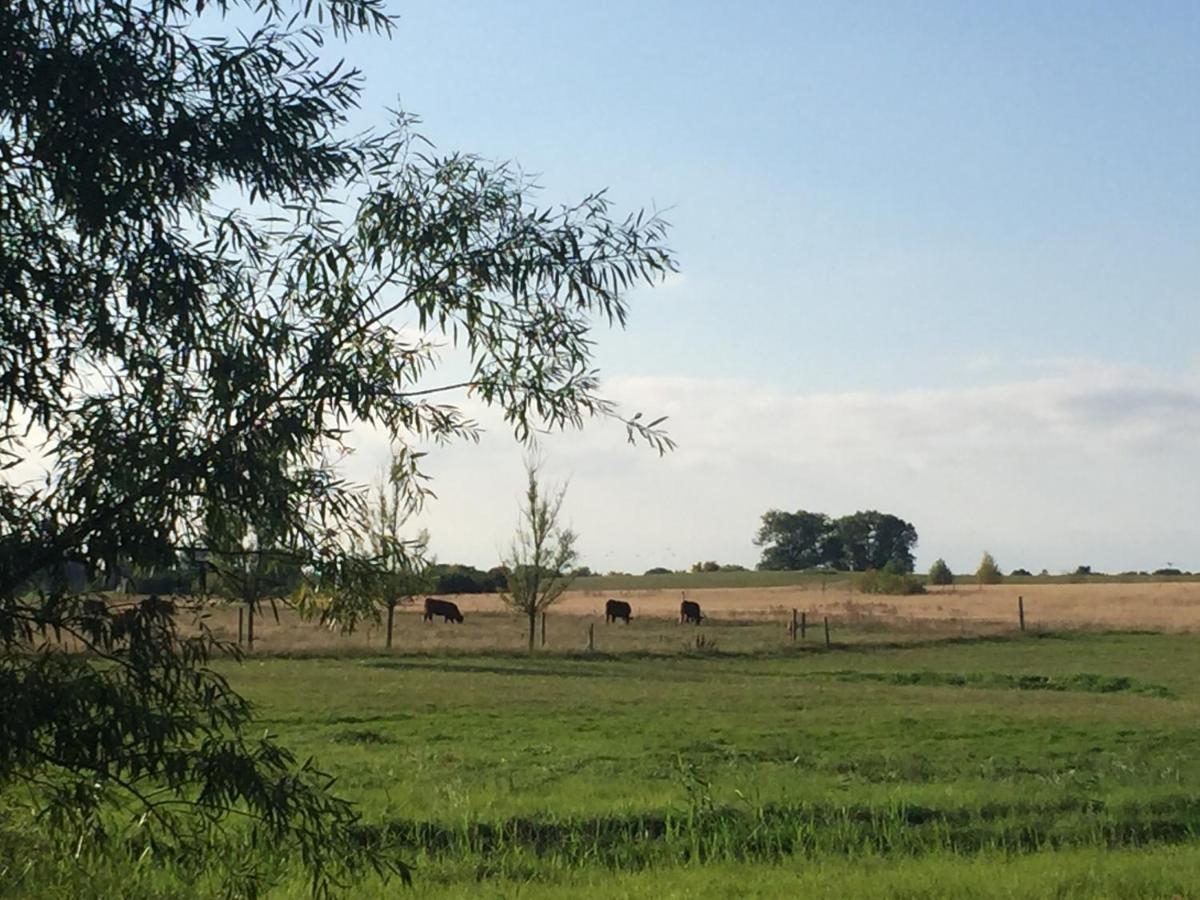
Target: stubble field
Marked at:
752, 619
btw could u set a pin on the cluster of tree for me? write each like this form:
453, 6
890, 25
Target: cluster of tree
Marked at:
864, 540
461, 579
986, 573
711, 565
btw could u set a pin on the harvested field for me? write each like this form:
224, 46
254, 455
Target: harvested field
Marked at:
754, 619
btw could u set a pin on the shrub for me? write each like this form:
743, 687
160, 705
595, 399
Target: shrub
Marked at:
734, 567
1167, 571
881, 581
456, 579
939, 573
1083, 570
658, 570
1021, 573
988, 572
581, 572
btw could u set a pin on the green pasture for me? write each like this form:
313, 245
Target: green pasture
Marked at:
1053, 765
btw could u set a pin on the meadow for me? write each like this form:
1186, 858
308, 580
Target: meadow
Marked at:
909, 758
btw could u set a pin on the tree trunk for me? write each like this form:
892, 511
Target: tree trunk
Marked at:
250, 626
532, 628
391, 619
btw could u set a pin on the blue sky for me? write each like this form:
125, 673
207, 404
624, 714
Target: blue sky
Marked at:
866, 192
941, 259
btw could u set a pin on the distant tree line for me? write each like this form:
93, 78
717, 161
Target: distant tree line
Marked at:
863, 540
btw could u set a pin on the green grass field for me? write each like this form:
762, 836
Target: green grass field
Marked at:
1058, 765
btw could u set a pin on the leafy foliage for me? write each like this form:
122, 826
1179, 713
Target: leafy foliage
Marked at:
887, 581
940, 574
864, 540
988, 572
204, 287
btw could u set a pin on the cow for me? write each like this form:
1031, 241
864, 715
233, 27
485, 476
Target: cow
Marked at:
617, 609
689, 611
444, 608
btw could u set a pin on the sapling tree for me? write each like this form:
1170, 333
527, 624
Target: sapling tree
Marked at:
402, 568
543, 554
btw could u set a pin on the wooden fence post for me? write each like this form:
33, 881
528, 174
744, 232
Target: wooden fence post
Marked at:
803, 625
792, 627
1021, 612
591, 636
827, 631
543, 629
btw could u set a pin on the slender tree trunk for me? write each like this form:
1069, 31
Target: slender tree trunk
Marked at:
250, 626
391, 619
532, 628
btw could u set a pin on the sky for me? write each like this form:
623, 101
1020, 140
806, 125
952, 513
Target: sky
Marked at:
937, 259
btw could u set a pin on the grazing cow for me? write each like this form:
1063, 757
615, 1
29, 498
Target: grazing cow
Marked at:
617, 609
444, 608
689, 611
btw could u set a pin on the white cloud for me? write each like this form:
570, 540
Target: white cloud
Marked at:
1085, 464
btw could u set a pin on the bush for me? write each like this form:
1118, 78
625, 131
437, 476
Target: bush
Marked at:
1021, 573
581, 572
939, 573
1168, 571
1083, 570
658, 570
734, 567
988, 572
457, 579
882, 581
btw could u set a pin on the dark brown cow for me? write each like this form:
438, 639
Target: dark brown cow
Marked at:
444, 608
689, 611
617, 609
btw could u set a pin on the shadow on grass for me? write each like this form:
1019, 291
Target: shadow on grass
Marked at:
773, 832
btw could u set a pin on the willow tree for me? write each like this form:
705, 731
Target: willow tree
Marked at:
206, 284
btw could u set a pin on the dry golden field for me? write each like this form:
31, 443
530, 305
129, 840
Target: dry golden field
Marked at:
753, 618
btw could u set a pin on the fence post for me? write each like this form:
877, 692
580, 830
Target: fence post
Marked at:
827, 631
241, 625
792, 627
591, 636
543, 629
1021, 612
803, 625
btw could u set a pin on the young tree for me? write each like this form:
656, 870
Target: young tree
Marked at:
542, 555
205, 285
988, 572
402, 569
940, 574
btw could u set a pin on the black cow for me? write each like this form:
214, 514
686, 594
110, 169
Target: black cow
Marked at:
617, 609
444, 608
689, 611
